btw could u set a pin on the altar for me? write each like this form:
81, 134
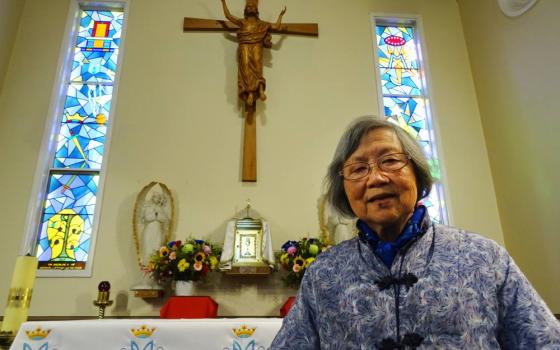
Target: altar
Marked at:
148, 334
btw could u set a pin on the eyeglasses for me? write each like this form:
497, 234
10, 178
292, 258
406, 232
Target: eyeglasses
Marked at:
388, 163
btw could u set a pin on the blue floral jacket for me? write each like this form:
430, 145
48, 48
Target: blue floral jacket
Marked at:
450, 289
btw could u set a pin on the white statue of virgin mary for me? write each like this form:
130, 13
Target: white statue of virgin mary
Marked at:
152, 225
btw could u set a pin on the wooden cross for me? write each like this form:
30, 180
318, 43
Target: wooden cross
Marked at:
253, 34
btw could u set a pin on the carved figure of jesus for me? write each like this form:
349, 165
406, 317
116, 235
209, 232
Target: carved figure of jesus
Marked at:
253, 34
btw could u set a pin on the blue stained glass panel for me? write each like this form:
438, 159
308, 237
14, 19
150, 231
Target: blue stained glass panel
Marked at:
66, 223
396, 47
80, 145
100, 30
94, 66
65, 232
400, 82
411, 109
83, 127
405, 102
87, 104
410, 114
434, 205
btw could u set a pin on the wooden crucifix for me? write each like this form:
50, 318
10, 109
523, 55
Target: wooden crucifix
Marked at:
252, 35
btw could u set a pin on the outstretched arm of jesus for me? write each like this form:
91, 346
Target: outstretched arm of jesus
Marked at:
229, 16
278, 24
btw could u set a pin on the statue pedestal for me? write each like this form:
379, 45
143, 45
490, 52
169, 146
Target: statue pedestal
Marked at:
148, 293
249, 271
147, 289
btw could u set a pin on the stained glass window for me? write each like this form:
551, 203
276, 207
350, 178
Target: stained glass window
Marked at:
404, 96
66, 228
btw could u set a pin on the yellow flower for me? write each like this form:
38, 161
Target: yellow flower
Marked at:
199, 257
284, 259
213, 262
183, 265
299, 261
308, 261
163, 252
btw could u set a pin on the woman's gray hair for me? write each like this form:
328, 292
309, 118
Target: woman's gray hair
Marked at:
348, 144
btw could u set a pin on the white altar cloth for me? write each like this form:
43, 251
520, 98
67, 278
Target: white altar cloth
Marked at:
148, 334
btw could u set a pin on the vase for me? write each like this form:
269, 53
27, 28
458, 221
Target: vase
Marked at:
184, 288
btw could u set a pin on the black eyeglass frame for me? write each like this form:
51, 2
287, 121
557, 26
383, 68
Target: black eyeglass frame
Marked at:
378, 164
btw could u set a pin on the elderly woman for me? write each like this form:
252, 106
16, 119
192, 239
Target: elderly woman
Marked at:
406, 282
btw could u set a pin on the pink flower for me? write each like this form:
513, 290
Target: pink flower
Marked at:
296, 268
172, 256
292, 250
207, 250
148, 268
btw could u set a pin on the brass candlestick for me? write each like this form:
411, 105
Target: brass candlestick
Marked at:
103, 298
6, 339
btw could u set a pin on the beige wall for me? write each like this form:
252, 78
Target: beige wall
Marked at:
10, 12
514, 64
178, 121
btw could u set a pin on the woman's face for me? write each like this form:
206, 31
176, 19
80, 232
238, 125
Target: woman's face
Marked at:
383, 200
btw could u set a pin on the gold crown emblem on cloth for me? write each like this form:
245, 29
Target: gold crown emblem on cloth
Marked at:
143, 332
244, 332
38, 334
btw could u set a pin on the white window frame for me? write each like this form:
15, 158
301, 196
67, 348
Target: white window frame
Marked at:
431, 117
28, 244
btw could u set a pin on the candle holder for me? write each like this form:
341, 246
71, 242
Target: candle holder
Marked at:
102, 298
6, 339
19, 299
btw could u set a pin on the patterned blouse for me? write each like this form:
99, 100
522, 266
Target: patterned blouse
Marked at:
450, 289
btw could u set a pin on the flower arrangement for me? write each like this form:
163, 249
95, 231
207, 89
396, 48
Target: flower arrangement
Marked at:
188, 261
296, 256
